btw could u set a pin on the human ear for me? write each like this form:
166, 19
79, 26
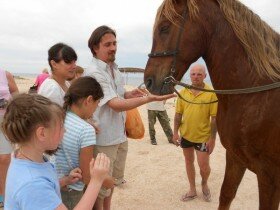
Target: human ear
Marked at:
53, 64
89, 99
95, 48
40, 133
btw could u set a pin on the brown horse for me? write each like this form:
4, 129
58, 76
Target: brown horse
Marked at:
240, 51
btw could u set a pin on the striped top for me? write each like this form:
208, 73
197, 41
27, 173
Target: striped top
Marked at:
78, 134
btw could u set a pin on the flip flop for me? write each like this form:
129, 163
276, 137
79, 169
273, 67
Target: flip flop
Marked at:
187, 197
207, 196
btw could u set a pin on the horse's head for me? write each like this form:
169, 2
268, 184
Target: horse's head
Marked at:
224, 32
178, 41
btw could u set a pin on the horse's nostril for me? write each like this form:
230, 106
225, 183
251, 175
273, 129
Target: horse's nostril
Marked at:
149, 83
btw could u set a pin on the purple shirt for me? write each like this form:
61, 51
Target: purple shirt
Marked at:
4, 89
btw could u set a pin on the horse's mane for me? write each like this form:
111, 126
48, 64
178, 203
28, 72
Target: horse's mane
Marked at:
260, 41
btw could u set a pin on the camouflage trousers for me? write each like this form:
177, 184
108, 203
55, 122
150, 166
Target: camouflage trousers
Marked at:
164, 122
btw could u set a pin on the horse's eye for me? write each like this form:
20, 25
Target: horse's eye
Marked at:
164, 29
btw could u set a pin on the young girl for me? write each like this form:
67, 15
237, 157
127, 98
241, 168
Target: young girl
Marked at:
76, 148
35, 124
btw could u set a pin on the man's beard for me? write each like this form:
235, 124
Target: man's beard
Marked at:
112, 57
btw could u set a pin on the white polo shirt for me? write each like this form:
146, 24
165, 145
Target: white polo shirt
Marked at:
111, 123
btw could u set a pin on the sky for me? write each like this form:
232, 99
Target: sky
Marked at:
28, 28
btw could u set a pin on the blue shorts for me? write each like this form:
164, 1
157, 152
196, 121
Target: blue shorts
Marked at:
197, 146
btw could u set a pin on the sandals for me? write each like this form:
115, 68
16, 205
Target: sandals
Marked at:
207, 196
187, 197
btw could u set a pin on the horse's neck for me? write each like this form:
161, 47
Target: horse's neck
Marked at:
228, 63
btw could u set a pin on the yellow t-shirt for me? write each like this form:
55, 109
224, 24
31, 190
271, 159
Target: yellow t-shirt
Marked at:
195, 125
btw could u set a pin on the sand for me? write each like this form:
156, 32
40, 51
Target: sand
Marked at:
156, 177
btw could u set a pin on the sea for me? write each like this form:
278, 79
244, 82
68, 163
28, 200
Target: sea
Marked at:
133, 79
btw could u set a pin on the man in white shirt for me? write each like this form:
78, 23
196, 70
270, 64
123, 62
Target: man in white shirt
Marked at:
156, 110
110, 114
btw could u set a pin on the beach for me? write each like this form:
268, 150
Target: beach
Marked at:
156, 177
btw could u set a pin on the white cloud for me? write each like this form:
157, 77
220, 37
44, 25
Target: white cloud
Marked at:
30, 27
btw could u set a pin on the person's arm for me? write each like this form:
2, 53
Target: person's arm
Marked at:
99, 168
210, 144
11, 83
86, 155
119, 105
37, 80
177, 123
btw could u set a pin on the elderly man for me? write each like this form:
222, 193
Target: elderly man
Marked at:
197, 125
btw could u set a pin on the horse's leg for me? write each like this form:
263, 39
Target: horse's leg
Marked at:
269, 191
233, 176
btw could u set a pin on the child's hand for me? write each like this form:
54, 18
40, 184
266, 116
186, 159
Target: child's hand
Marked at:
99, 168
74, 176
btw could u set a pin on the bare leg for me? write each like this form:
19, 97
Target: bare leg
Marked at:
189, 161
203, 162
233, 176
98, 205
107, 201
269, 192
4, 165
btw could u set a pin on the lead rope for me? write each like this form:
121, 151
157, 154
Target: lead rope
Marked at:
233, 91
191, 102
223, 92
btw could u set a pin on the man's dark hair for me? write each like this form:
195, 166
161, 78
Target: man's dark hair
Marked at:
61, 51
96, 36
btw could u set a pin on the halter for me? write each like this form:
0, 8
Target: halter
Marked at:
171, 79
171, 53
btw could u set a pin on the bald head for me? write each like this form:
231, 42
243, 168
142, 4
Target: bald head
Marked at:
198, 68
198, 74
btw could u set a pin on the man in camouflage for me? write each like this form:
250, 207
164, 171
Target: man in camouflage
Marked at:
157, 110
